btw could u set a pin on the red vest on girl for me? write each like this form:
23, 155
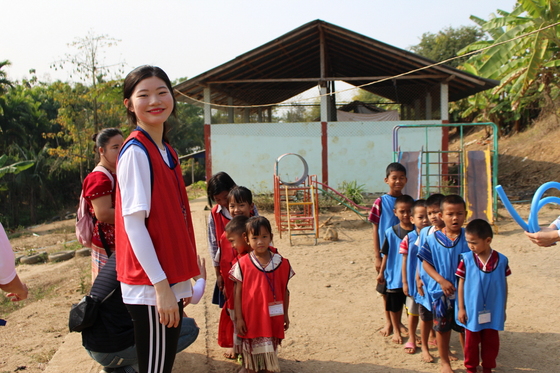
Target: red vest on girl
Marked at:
257, 295
169, 223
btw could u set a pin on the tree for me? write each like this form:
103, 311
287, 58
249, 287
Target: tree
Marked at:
446, 43
89, 64
521, 61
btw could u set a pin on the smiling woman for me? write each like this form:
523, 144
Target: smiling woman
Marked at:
156, 251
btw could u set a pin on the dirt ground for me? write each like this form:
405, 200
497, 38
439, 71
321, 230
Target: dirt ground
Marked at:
335, 313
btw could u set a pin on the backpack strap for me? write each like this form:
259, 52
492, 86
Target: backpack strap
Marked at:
137, 143
101, 234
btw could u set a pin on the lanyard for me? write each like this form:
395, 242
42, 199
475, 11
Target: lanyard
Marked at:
270, 282
480, 275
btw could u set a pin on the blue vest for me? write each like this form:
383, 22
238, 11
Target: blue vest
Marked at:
445, 260
387, 217
425, 300
481, 286
412, 263
393, 267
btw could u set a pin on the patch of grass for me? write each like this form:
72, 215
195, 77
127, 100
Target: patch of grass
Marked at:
264, 201
44, 356
196, 190
352, 191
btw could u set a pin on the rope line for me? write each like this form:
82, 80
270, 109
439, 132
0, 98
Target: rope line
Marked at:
376, 81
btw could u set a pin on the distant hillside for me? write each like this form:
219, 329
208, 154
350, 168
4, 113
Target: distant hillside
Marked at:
527, 159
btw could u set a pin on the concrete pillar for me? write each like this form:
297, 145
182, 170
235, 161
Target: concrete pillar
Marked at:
247, 115
207, 106
417, 109
269, 114
324, 104
259, 115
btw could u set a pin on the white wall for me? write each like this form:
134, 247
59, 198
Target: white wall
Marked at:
357, 151
247, 152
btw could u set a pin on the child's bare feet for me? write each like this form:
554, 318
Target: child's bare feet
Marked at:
404, 330
426, 356
446, 368
229, 354
387, 330
397, 338
452, 357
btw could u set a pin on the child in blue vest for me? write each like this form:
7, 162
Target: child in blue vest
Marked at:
440, 258
482, 296
410, 263
391, 264
427, 334
382, 217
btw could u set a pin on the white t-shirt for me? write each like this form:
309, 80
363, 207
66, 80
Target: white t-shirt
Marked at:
133, 176
7, 260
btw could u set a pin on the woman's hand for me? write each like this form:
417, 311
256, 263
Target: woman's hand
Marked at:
167, 306
201, 267
545, 237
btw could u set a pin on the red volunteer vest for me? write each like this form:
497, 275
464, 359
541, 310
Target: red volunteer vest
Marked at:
220, 222
169, 223
257, 295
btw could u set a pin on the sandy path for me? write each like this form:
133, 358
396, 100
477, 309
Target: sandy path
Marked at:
335, 313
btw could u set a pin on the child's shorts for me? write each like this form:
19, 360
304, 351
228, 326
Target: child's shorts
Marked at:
395, 300
447, 322
412, 307
425, 314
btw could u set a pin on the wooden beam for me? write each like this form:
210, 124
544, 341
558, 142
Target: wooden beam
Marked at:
332, 78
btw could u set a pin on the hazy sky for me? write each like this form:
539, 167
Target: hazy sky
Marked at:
187, 37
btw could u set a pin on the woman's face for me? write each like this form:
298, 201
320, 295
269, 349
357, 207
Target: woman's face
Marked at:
151, 102
111, 150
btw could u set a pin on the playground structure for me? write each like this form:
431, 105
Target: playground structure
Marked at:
296, 204
471, 174
296, 208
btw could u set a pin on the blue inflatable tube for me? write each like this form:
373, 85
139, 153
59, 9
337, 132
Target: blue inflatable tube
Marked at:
537, 204
510, 209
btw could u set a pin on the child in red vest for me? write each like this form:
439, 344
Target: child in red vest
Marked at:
240, 203
261, 299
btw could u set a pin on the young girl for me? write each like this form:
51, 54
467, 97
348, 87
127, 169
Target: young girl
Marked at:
261, 299
99, 192
155, 246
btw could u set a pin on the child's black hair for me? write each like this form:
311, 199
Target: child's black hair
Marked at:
405, 198
395, 167
255, 223
240, 194
435, 199
453, 199
237, 225
218, 183
418, 203
480, 228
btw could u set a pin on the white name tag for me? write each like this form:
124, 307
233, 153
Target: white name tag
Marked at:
484, 317
276, 309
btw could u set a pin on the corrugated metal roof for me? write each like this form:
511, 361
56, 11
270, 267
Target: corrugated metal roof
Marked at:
291, 64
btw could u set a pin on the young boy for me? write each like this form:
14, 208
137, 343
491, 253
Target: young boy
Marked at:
391, 264
427, 334
240, 203
440, 258
482, 296
409, 251
382, 217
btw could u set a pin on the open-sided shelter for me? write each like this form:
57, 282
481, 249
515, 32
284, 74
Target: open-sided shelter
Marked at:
316, 55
